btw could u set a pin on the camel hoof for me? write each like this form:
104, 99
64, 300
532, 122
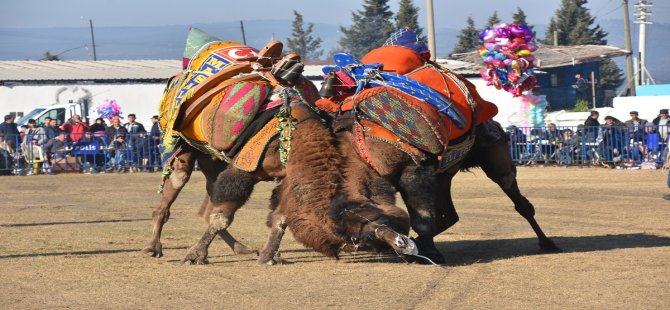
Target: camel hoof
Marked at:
276, 260
193, 258
154, 251
548, 246
427, 249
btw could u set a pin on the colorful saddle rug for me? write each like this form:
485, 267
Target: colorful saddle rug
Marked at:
204, 56
411, 119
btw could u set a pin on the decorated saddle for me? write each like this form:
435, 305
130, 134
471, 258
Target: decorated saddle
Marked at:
420, 102
223, 97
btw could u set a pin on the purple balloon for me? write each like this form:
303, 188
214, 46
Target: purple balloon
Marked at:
502, 33
516, 30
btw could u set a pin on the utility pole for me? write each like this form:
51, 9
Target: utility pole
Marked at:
95, 57
244, 38
431, 30
643, 12
629, 48
593, 89
555, 37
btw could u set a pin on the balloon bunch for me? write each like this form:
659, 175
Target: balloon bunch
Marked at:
532, 109
109, 109
508, 54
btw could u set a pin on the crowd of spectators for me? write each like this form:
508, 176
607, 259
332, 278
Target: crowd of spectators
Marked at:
635, 143
77, 146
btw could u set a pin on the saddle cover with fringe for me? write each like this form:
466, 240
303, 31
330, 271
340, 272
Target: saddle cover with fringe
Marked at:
412, 120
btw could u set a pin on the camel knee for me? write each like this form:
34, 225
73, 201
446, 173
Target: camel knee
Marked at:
506, 182
179, 178
219, 221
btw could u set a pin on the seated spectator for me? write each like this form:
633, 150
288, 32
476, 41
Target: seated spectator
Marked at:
6, 160
57, 148
550, 138
34, 156
635, 126
652, 142
568, 148
517, 143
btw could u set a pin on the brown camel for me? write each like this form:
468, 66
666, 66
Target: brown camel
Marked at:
312, 202
229, 188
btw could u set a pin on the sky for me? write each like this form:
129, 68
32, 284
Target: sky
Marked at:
448, 13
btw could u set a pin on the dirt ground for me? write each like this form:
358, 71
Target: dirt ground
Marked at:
73, 241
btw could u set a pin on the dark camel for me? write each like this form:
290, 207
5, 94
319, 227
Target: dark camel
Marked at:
426, 193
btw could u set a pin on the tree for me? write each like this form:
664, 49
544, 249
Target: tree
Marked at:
468, 38
493, 20
49, 56
408, 16
520, 17
370, 28
573, 25
301, 41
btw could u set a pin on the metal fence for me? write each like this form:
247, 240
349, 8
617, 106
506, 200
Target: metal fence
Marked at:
632, 147
21, 155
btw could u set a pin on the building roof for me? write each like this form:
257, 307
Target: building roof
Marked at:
79, 70
548, 56
31, 71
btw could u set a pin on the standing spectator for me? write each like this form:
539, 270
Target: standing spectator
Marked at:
46, 122
119, 147
662, 122
35, 132
137, 135
581, 86
51, 129
154, 143
8, 128
613, 138
75, 127
23, 130
115, 129
98, 128
635, 126
591, 127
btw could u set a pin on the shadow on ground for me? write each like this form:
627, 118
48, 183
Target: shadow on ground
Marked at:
468, 252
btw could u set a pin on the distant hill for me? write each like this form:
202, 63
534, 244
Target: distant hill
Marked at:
167, 42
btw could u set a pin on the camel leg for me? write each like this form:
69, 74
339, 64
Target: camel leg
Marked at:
182, 169
270, 253
498, 166
211, 168
228, 193
417, 186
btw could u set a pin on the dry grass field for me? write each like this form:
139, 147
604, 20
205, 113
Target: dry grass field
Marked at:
73, 241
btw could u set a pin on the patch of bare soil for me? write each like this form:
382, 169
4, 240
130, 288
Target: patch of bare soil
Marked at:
74, 241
